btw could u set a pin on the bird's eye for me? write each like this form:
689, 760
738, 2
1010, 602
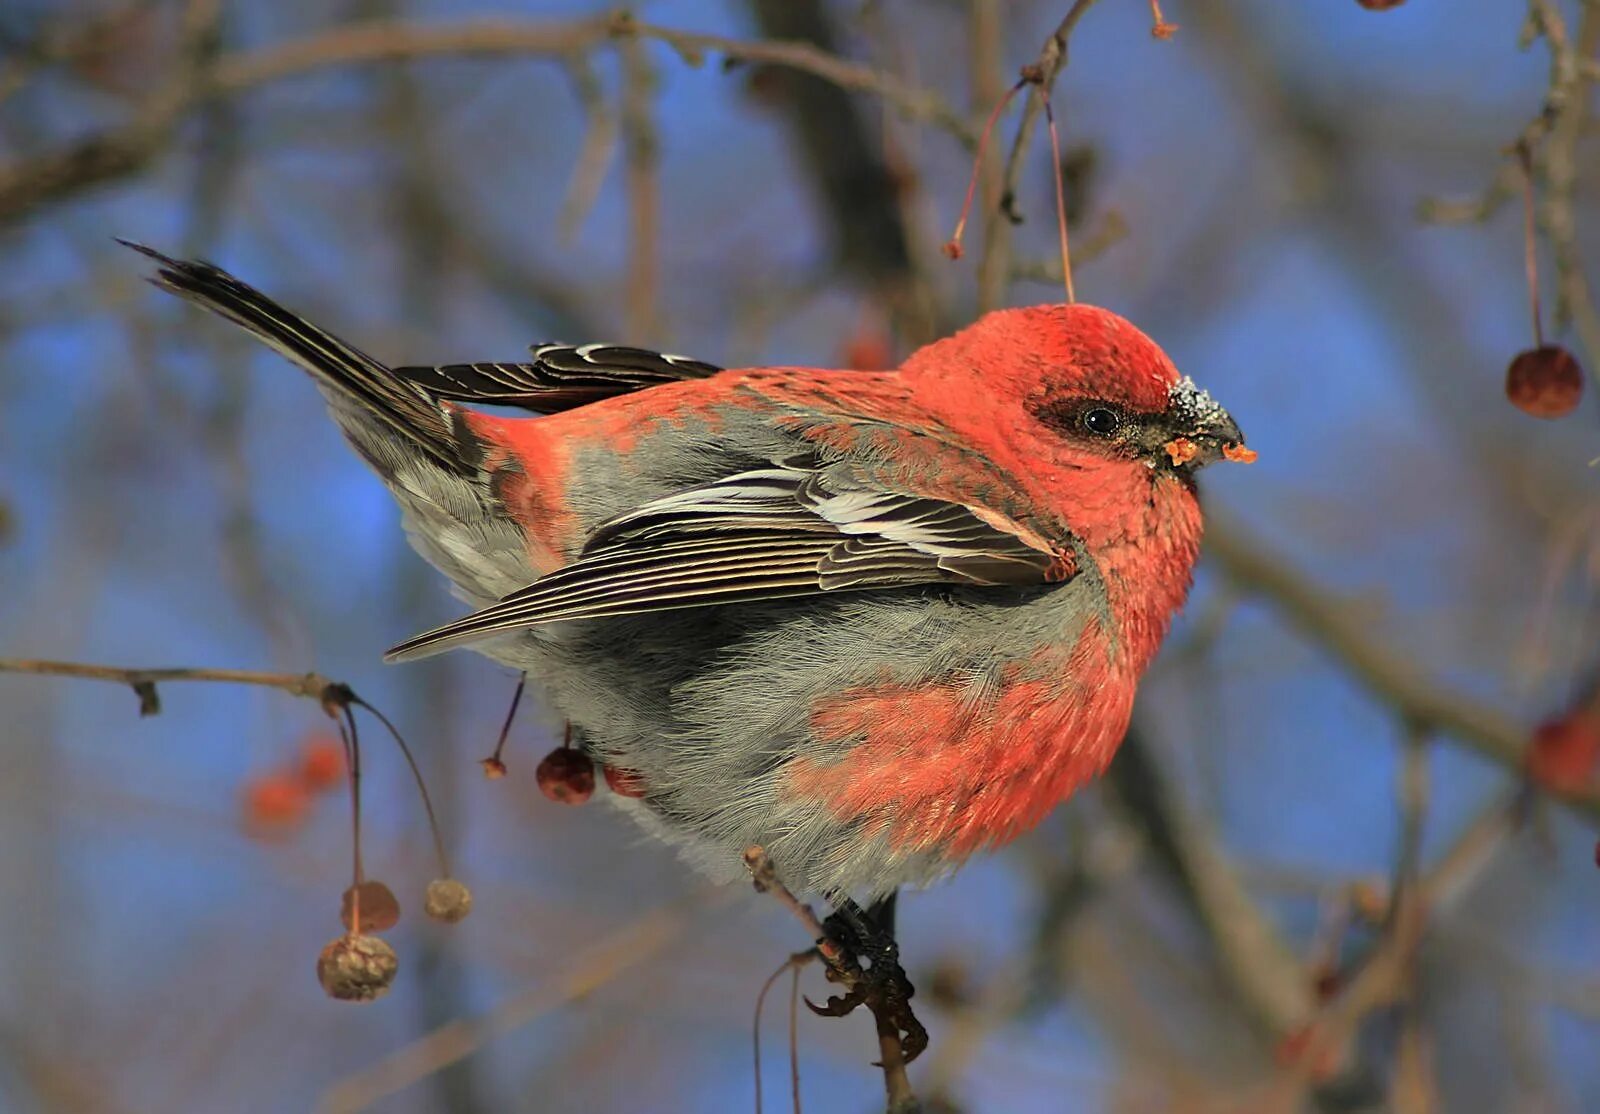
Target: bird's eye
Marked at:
1101, 421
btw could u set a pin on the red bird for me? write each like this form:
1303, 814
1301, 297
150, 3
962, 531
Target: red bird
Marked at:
870, 621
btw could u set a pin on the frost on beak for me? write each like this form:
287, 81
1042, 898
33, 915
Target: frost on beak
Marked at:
1205, 432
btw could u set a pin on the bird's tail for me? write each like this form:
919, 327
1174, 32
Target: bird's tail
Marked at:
361, 389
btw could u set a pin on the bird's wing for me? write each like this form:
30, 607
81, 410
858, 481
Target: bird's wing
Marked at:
560, 376
793, 530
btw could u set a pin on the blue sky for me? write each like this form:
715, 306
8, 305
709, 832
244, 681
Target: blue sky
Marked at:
1391, 469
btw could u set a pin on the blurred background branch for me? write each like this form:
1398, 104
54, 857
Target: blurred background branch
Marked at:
1244, 915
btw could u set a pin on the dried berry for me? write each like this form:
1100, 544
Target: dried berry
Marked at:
493, 768
1545, 382
447, 900
275, 803
566, 775
321, 762
357, 968
624, 783
379, 912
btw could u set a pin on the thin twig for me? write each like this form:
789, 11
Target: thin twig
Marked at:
599, 146
1551, 139
792, 964
116, 152
312, 686
602, 962
1043, 72
641, 157
1382, 976
845, 970
989, 91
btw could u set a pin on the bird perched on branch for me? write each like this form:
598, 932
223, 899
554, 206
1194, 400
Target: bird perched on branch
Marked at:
872, 622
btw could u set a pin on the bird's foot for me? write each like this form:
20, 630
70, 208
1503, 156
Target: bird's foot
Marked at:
866, 960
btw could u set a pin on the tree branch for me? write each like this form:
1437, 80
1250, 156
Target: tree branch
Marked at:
312, 686
1331, 623
31, 183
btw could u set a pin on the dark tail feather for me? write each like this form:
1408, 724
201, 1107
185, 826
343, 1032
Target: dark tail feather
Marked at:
347, 372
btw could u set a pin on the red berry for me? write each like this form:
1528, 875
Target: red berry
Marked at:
868, 348
275, 803
1380, 5
624, 783
1545, 382
321, 762
566, 775
1565, 752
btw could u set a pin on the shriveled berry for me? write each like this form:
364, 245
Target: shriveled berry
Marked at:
380, 909
624, 783
448, 900
1545, 382
493, 768
357, 968
321, 762
566, 775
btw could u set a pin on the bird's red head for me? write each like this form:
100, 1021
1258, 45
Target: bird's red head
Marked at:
1075, 385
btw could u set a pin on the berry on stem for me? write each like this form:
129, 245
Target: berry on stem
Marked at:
1545, 382
357, 968
369, 906
448, 900
494, 767
567, 776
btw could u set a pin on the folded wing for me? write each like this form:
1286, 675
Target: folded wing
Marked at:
560, 376
796, 529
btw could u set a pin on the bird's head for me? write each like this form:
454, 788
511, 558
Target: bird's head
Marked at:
1079, 387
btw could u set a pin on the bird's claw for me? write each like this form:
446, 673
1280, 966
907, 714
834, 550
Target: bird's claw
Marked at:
882, 985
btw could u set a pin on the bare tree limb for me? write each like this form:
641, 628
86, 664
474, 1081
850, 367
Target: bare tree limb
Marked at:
29, 184
1043, 70
1332, 624
312, 686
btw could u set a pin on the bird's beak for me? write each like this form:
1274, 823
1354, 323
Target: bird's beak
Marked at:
1203, 432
